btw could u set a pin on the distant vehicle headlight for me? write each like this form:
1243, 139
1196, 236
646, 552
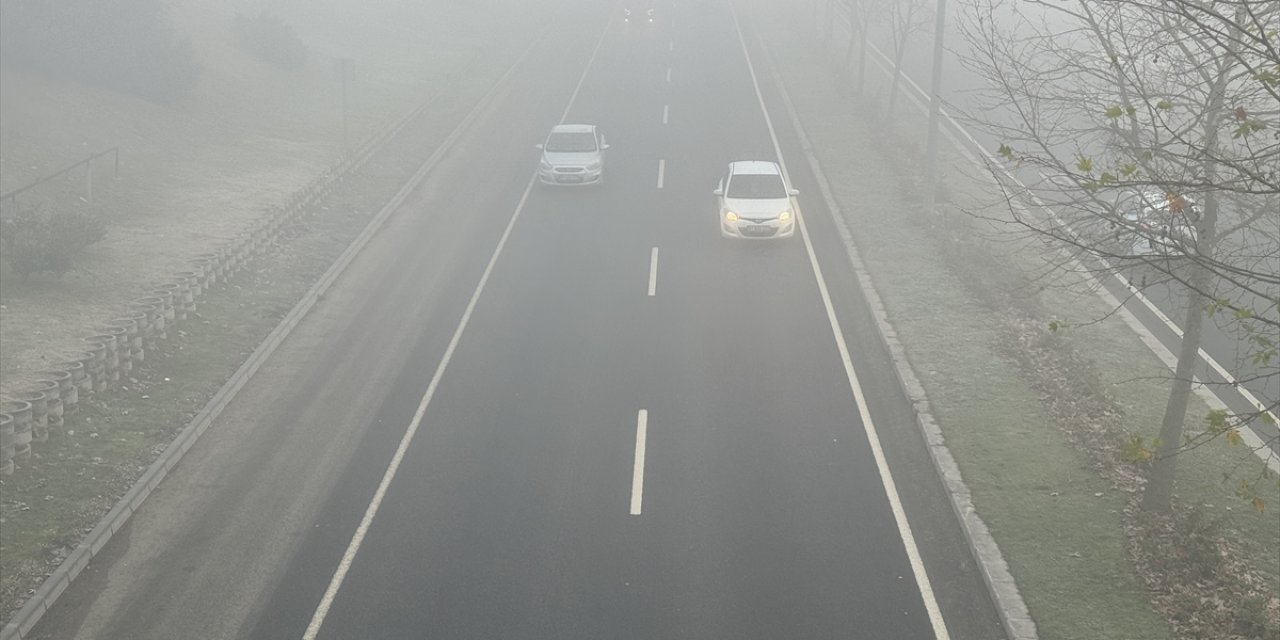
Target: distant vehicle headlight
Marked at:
784, 216
730, 216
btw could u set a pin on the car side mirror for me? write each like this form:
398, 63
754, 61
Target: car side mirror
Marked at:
718, 191
539, 146
794, 192
603, 146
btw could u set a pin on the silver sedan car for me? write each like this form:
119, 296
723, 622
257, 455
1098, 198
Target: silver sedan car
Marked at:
572, 155
755, 201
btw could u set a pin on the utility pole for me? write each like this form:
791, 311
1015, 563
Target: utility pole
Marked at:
935, 109
343, 63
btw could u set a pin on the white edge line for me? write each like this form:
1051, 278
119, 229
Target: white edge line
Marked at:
995, 571
653, 272
873, 439
637, 469
344, 565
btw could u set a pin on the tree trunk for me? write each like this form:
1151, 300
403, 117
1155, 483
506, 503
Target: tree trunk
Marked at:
826, 30
897, 74
848, 50
862, 55
1159, 492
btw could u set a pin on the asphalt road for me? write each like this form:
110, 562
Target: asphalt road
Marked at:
505, 351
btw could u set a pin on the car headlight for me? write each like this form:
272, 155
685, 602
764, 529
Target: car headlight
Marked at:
545, 165
730, 216
784, 216
594, 166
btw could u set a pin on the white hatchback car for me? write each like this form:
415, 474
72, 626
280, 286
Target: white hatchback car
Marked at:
573, 155
755, 201
1149, 222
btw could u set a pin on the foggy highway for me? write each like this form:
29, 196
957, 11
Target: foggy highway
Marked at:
590, 415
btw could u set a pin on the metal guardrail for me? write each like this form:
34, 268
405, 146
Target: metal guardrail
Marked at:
12, 196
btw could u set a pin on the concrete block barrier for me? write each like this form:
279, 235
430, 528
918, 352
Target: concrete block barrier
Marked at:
6, 444
190, 281
97, 366
39, 414
65, 374
133, 323
153, 306
117, 368
81, 368
183, 301
61, 378
123, 363
171, 294
21, 412
52, 393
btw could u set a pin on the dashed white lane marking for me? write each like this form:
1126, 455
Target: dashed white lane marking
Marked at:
637, 471
873, 437
671, 45
668, 74
666, 111
662, 171
653, 272
362, 530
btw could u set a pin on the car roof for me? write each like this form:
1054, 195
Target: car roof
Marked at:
573, 128
756, 167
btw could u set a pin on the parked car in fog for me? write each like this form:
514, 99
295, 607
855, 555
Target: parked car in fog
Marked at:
573, 154
1148, 222
755, 201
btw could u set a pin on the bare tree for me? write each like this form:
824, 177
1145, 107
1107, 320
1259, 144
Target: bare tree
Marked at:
862, 14
1149, 127
906, 17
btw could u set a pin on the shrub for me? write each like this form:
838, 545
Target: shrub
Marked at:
34, 242
269, 39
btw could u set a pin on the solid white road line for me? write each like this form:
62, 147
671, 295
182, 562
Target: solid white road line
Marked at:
873, 438
357, 539
653, 272
637, 471
662, 170
665, 112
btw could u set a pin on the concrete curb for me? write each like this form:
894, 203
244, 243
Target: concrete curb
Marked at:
995, 571
35, 607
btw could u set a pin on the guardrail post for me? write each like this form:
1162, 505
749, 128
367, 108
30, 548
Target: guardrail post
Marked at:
6, 444
21, 412
58, 410
83, 375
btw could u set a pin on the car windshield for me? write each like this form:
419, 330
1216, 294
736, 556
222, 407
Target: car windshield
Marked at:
749, 185
576, 141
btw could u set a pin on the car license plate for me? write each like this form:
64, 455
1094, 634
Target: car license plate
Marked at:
570, 178
759, 229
